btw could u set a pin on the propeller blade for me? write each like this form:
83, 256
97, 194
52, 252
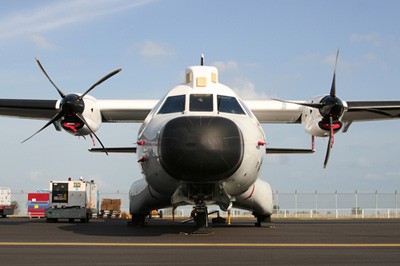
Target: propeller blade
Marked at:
44, 72
312, 105
83, 120
55, 118
330, 142
100, 81
333, 87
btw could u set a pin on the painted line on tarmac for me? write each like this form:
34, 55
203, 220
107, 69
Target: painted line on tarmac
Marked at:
255, 245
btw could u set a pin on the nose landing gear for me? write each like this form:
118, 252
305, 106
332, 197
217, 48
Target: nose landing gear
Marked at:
200, 218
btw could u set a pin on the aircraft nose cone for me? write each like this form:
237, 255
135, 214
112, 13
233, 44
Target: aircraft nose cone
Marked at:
200, 149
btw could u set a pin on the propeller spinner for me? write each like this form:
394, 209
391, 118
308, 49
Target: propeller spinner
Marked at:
72, 105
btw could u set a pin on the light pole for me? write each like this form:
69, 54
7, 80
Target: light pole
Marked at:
336, 210
295, 202
395, 200
356, 205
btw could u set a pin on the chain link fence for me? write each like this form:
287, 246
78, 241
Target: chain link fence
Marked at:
336, 205
316, 205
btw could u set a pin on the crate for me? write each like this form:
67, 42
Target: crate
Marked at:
110, 214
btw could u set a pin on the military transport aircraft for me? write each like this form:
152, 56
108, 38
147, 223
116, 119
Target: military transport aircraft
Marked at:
200, 144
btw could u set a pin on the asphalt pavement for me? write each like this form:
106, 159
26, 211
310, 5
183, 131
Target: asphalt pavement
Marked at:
26, 241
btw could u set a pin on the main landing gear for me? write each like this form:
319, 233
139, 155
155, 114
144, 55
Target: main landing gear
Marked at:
137, 220
262, 220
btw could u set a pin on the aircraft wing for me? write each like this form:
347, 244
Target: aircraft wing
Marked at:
266, 111
125, 110
35, 109
371, 110
111, 110
271, 111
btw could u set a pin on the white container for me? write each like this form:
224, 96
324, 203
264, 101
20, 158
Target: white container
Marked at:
5, 196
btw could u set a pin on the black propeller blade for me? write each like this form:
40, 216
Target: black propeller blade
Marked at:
330, 142
83, 120
48, 77
333, 87
72, 104
100, 81
54, 119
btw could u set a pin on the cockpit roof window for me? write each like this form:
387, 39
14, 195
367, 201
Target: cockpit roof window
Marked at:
228, 104
173, 104
201, 103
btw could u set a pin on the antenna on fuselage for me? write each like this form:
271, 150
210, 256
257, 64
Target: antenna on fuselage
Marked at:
202, 60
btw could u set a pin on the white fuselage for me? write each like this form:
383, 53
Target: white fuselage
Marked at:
231, 184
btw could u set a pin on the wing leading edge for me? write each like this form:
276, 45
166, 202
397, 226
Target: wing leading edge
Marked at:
34, 109
111, 110
271, 111
371, 110
266, 111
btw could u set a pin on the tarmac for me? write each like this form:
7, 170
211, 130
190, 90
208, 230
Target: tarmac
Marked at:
25, 241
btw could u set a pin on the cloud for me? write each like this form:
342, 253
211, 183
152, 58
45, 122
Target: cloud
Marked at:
348, 66
152, 50
226, 66
41, 42
246, 89
242, 86
60, 14
371, 38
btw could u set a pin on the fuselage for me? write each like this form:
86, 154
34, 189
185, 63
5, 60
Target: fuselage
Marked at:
200, 142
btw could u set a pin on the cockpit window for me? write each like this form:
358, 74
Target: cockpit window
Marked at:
201, 103
227, 104
173, 104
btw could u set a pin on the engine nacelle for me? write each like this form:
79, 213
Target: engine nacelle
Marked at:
73, 125
317, 125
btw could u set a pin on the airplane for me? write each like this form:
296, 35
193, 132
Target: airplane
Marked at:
200, 144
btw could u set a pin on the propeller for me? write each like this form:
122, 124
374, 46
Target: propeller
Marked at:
72, 105
330, 108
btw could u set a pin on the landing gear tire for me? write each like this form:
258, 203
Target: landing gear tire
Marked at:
262, 220
85, 220
137, 220
200, 218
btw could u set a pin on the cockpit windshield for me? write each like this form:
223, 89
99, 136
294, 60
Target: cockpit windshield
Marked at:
201, 103
228, 104
173, 104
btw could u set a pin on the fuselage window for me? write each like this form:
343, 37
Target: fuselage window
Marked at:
201, 103
173, 104
227, 104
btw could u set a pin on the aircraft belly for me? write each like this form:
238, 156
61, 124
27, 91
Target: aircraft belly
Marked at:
143, 198
258, 198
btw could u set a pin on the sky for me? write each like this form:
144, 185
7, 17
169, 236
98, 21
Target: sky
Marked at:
279, 49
